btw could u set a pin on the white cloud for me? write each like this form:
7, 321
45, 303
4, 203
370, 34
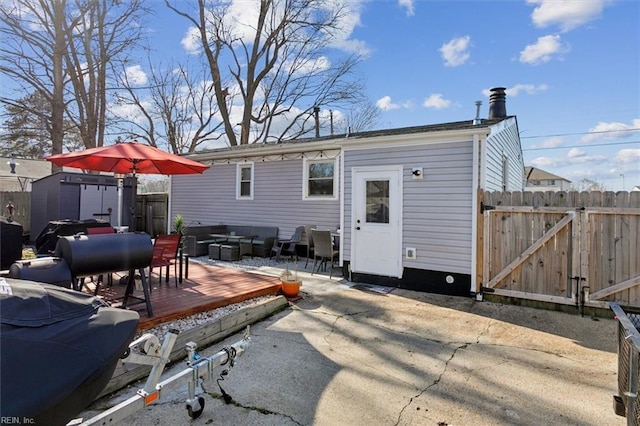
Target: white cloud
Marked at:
310, 65
576, 153
542, 162
241, 17
407, 4
579, 157
191, 41
436, 101
574, 156
136, 76
553, 142
631, 155
567, 14
386, 104
577, 175
614, 130
131, 112
349, 20
543, 50
456, 51
530, 89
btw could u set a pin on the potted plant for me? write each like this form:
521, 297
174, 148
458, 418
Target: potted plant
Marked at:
290, 283
178, 224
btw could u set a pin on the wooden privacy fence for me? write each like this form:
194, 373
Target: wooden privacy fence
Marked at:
22, 208
151, 211
561, 247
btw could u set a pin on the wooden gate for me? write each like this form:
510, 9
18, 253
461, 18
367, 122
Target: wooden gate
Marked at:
561, 247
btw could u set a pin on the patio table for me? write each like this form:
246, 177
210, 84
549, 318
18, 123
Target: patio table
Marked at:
244, 247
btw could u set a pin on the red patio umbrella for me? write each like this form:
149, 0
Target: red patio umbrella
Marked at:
129, 157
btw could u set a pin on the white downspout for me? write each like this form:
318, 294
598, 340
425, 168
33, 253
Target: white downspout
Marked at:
341, 195
483, 163
475, 185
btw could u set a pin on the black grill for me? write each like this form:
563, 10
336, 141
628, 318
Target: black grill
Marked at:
103, 253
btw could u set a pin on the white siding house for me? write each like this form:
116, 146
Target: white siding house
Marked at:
542, 181
405, 199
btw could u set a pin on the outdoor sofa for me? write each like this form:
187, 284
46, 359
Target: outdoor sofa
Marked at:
198, 237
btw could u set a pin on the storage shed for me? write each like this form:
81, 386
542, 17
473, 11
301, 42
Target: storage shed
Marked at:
78, 196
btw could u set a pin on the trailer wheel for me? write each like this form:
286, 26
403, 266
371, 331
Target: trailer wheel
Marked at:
195, 414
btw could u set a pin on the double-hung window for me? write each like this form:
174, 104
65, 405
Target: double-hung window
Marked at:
320, 179
244, 181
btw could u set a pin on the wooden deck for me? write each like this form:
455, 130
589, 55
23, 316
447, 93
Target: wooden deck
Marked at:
208, 287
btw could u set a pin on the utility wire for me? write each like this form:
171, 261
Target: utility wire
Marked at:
582, 133
581, 146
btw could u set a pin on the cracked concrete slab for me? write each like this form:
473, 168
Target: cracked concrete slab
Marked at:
342, 356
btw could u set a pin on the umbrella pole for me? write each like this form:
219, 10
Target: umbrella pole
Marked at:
132, 209
120, 184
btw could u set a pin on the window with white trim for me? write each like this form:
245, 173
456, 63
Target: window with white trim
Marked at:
244, 181
320, 179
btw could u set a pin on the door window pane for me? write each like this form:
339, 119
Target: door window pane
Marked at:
377, 201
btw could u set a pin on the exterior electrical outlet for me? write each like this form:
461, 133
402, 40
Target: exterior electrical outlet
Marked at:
410, 253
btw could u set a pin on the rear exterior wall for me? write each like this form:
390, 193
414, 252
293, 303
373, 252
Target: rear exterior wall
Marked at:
503, 142
437, 210
210, 198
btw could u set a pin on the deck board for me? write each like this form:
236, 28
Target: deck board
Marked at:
208, 287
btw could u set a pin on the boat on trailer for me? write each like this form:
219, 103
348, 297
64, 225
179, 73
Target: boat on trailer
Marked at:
58, 350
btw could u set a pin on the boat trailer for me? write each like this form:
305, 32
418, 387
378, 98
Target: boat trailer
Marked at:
147, 350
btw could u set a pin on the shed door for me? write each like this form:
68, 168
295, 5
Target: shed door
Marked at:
376, 245
96, 200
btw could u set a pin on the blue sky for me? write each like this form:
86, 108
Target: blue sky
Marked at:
571, 67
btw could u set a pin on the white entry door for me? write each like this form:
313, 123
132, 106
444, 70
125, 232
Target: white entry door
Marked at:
376, 245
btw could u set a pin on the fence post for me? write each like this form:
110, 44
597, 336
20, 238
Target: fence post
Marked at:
632, 392
479, 243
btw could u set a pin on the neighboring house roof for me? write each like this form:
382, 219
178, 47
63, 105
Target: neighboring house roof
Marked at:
26, 171
532, 173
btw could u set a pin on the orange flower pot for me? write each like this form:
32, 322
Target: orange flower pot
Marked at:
291, 288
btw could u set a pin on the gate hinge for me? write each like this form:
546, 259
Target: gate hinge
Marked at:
484, 207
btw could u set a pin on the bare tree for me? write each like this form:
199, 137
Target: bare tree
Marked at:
363, 117
31, 55
105, 31
586, 184
176, 108
278, 65
61, 50
28, 131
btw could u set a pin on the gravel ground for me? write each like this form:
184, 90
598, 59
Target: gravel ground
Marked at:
247, 264
193, 321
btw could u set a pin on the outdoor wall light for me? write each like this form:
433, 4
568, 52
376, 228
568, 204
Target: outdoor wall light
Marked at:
416, 173
13, 164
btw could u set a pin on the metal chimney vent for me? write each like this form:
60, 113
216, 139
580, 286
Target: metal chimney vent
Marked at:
497, 103
477, 120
